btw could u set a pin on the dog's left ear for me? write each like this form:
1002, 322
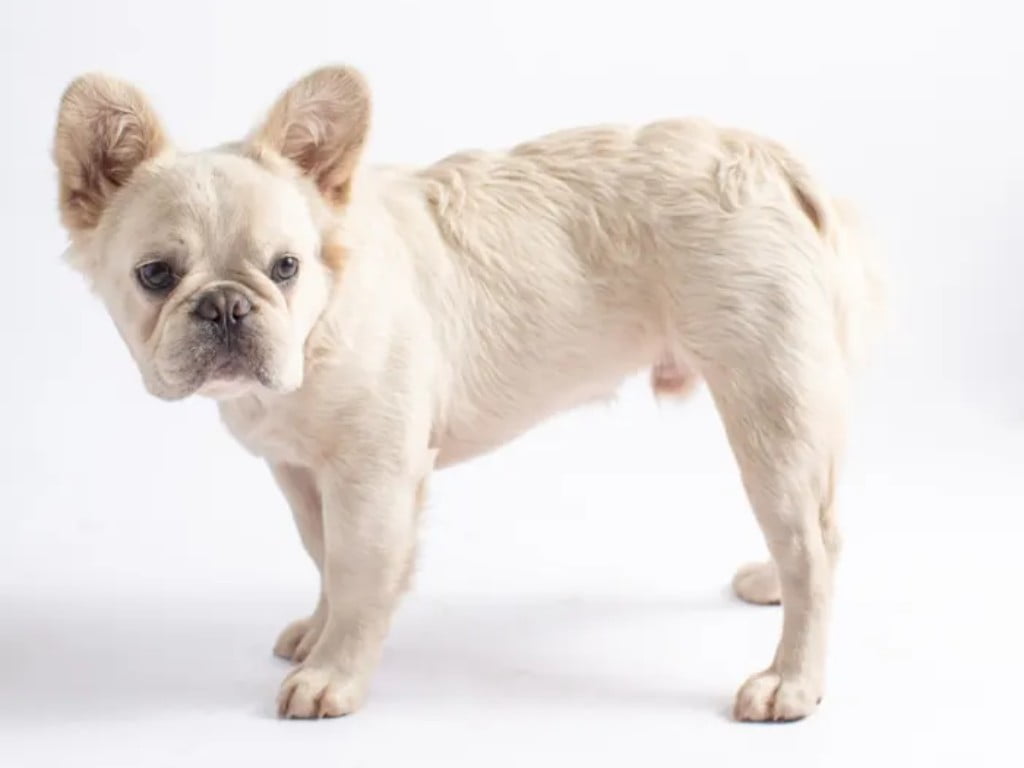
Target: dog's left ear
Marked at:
321, 124
106, 130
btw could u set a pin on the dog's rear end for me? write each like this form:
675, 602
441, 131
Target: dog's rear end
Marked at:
856, 270
861, 301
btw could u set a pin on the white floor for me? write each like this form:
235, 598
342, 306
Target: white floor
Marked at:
571, 608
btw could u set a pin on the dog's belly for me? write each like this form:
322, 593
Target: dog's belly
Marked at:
479, 421
465, 441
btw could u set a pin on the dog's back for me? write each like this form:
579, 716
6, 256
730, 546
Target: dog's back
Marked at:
619, 244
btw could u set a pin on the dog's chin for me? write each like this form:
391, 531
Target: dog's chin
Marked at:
229, 377
228, 389
226, 380
231, 382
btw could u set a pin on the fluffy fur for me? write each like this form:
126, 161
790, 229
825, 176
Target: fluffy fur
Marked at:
439, 312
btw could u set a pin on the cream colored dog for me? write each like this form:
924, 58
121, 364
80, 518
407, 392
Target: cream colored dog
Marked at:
361, 326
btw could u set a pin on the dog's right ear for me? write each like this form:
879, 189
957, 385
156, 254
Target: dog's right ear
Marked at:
320, 124
105, 130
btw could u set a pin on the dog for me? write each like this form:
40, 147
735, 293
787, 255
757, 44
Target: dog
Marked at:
360, 327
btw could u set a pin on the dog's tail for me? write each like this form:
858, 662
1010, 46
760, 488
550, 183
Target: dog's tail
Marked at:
861, 299
858, 284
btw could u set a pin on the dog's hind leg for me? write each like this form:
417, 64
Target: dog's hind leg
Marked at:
785, 430
765, 337
783, 409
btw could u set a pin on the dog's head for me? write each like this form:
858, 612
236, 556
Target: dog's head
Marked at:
214, 266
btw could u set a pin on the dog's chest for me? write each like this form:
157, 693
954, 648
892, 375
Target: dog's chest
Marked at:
282, 432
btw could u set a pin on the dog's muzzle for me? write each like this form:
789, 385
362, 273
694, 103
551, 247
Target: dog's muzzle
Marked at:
225, 308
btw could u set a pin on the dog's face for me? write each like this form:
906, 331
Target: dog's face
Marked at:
214, 266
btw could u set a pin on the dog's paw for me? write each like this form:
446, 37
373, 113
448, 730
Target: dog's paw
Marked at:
296, 640
313, 692
758, 583
768, 697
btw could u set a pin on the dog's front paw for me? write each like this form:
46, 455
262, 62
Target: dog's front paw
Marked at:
311, 692
298, 638
768, 696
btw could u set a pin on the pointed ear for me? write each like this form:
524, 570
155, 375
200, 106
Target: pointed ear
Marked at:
321, 124
105, 130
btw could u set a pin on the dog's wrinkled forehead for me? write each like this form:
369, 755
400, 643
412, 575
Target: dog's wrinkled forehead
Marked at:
215, 209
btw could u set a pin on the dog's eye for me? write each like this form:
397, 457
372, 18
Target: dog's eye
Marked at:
285, 268
156, 276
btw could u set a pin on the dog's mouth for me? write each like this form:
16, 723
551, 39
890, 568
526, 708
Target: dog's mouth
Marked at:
235, 369
232, 366
213, 365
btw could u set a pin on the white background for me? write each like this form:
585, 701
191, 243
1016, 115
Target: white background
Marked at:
571, 607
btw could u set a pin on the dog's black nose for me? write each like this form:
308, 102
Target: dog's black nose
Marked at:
224, 306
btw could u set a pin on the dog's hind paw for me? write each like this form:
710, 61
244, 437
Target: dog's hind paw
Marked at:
297, 639
770, 697
758, 583
313, 692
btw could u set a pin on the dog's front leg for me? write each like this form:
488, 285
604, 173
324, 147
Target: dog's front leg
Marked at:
298, 484
369, 533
